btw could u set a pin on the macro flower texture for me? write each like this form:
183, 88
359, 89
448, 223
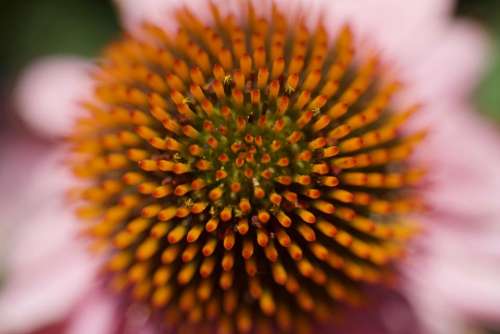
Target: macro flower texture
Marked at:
257, 167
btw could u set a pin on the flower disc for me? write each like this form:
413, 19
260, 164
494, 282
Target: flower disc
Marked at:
246, 173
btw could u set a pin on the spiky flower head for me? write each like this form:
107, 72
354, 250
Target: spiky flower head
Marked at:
244, 173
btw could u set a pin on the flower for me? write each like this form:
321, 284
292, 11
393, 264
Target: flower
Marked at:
441, 98
238, 183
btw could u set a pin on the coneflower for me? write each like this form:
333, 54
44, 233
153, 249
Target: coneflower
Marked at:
244, 175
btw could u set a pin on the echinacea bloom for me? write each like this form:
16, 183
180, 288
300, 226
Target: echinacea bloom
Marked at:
236, 179
253, 169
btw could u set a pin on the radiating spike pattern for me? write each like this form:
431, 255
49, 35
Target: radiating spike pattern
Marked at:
247, 174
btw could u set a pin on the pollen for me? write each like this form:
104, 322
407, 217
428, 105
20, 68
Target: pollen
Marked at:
247, 175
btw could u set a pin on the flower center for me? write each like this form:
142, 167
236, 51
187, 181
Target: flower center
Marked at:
244, 171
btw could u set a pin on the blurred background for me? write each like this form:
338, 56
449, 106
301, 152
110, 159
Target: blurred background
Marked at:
31, 29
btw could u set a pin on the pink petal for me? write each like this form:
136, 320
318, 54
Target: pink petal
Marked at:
48, 93
47, 269
458, 274
463, 156
455, 278
435, 314
452, 66
392, 23
96, 315
100, 312
134, 13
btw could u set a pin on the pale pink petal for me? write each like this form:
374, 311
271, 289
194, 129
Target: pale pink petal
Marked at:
96, 315
450, 68
474, 292
30, 300
392, 23
455, 278
134, 13
102, 312
47, 269
48, 93
407, 30
435, 314
462, 154
458, 274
